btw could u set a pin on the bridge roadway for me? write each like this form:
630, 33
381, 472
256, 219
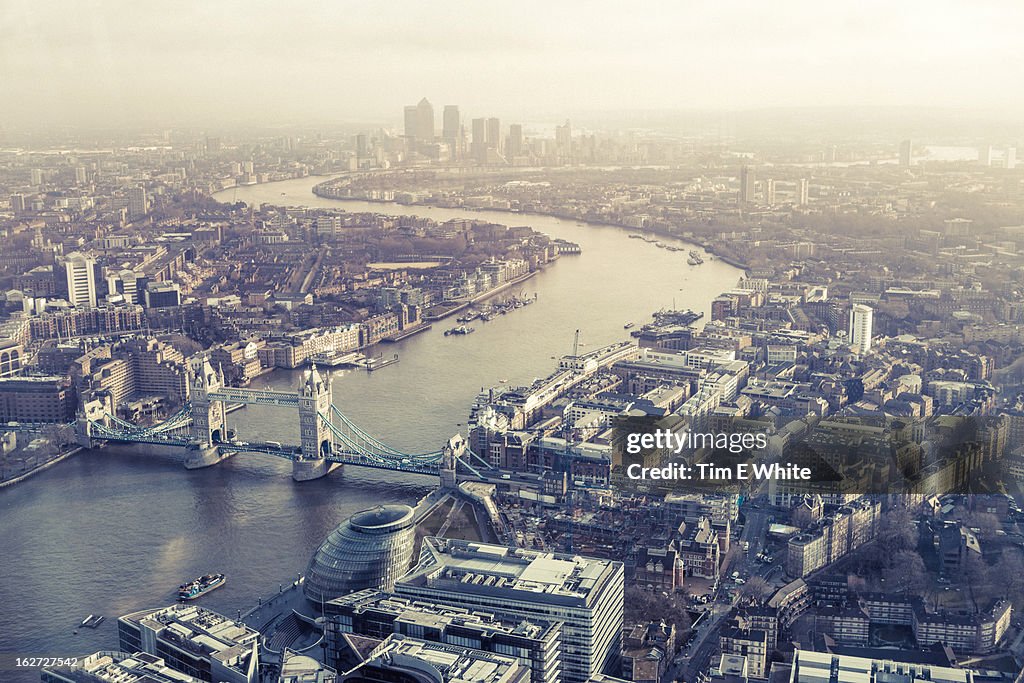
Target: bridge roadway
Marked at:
233, 395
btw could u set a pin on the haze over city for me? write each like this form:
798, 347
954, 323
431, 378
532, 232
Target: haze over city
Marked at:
452, 342
118, 63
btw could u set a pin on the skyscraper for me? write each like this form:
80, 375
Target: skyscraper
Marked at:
411, 122
861, 321
450, 122
906, 153
515, 140
478, 144
769, 191
451, 126
748, 184
79, 273
425, 121
803, 192
494, 134
563, 142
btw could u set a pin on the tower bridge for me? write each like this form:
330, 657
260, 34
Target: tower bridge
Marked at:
328, 438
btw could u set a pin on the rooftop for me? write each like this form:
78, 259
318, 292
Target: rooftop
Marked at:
451, 662
482, 568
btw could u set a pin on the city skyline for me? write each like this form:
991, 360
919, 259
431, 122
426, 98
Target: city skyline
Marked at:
277, 65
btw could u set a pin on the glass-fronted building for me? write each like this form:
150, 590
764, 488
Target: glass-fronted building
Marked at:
371, 549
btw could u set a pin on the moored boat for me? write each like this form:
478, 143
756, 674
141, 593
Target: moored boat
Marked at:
201, 586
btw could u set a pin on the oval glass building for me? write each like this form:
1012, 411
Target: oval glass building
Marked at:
371, 549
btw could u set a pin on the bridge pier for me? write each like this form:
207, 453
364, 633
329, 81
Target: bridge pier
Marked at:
310, 469
204, 455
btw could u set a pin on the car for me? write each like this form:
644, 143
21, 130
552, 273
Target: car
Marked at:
740, 582
735, 575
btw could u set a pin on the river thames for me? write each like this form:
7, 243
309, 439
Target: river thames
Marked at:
110, 533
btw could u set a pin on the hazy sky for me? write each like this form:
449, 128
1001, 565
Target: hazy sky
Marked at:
221, 61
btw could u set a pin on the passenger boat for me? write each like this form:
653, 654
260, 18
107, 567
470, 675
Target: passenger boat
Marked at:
201, 586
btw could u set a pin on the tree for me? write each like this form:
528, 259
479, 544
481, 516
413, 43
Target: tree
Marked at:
756, 588
896, 531
644, 606
1009, 570
906, 572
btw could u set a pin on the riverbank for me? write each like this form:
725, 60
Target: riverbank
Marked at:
39, 468
434, 317
706, 246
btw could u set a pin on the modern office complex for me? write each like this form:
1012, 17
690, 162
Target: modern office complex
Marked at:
585, 594
826, 667
371, 549
376, 614
116, 667
194, 641
410, 660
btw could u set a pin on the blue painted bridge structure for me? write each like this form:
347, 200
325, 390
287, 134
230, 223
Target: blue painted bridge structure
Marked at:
328, 438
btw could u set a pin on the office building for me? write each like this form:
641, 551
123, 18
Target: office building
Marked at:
906, 153
827, 667
116, 667
585, 594
861, 321
162, 294
769, 191
563, 142
78, 279
194, 641
18, 203
409, 660
127, 284
494, 134
478, 140
376, 614
370, 549
515, 141
424, 121
748, 185
412, 122
450, 122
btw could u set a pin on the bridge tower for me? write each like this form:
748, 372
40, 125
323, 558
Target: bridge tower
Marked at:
209, 419
317, 440
455, 448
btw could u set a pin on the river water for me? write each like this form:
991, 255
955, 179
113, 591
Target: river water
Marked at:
109, 533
